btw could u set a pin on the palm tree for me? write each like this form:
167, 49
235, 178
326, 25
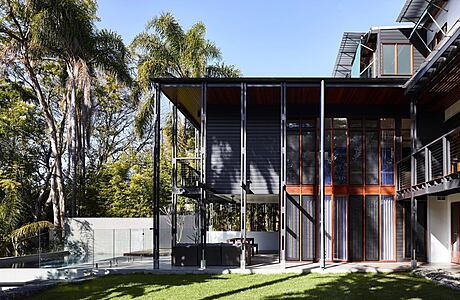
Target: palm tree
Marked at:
165, 49
66, 29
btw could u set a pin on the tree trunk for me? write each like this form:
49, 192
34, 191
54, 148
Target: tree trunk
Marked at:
56, 195
73, 145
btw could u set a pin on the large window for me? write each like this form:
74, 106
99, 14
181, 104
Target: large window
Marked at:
372, 152
356, 152
388, 150
396, 59
340, 151
293, 153
308, 152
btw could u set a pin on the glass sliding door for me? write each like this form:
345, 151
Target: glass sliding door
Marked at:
387, 225
340, 227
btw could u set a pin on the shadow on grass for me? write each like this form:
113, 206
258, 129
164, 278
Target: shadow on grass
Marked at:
133, 285
370, 286
251, 287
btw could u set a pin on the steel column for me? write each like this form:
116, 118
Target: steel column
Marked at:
202, 204
321, 182
156, 180
413, 200
174, 183
283, 178
244, 181
445, 156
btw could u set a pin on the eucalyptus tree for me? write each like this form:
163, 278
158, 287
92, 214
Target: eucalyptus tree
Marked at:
67, 30
25, 62
39, 35
165, 49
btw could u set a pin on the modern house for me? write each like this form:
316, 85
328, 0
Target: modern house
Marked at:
363, 166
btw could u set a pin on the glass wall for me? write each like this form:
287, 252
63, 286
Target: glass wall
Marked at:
357, 151
388, 151
308, 152
340, 151
293, 153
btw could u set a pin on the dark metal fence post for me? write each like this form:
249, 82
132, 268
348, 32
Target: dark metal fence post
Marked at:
202, 203
174, 183
321, 181
282, 206
244, 180
156, 180
413, 133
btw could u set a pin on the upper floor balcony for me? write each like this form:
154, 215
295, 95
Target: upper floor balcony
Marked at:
436, 168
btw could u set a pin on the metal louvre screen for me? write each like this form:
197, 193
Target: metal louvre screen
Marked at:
356, 228
387, 227
372, 227
340, 227
328, 226
308, 227
292, 228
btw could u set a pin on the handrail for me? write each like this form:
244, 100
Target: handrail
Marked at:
429, 144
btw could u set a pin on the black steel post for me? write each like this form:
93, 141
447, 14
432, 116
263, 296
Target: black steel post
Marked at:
321, 181
282, 206
202, 203
174, 183
156, 180
244, 180
413, 200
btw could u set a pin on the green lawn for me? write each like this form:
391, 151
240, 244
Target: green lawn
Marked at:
291, 286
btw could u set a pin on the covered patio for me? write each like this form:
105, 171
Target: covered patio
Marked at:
209, 182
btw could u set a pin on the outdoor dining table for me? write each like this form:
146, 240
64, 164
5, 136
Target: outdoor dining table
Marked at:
249, 241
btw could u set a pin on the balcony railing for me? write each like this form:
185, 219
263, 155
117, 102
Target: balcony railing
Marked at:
188, 172
435, 161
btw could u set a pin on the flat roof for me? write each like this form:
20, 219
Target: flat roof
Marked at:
186, 92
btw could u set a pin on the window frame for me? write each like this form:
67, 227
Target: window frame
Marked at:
395, 49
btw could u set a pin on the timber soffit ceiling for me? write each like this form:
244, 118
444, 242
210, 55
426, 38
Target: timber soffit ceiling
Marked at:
440, 73
186, 92
347, 51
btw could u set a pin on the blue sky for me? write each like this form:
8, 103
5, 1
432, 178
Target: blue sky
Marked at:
262, 38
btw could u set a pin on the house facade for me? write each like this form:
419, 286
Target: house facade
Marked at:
362, 166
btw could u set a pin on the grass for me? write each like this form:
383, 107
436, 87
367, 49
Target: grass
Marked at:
287, 286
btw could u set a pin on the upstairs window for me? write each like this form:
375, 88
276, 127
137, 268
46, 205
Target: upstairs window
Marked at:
397, 59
